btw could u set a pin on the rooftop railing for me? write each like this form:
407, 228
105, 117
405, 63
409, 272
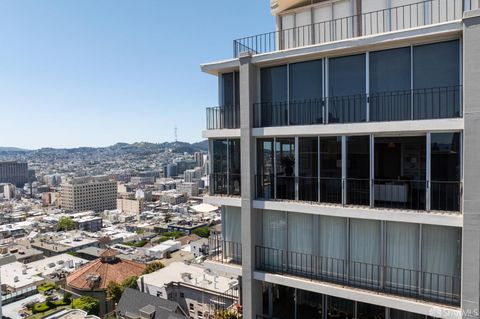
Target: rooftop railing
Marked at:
381, 21
411, 283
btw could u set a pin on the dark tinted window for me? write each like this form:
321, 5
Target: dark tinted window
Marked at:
306, 80
347, 75
274, 84
390, 70
436, 65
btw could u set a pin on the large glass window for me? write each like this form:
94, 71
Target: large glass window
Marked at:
445, 171
225, 177
232, 233
436, 80
333, 245
347, 87
358, 170
273, 109
220, 167
340, 308
308, 168
331, 169
300, 242
400, 171
390, 85
265, 179
305, 105
285, 162
230, 99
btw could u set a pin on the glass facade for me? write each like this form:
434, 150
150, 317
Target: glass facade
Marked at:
225, 176
408, 83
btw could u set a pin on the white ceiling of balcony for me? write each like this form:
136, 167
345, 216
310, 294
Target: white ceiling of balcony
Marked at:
278, 6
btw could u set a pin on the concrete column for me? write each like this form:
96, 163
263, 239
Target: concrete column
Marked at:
251, 222
471, 207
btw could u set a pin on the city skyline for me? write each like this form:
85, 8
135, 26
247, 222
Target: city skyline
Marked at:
89, 74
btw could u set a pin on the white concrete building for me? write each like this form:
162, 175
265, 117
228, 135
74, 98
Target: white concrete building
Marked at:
344, 154
89, 193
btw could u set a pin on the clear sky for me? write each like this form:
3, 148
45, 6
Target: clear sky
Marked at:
96, 72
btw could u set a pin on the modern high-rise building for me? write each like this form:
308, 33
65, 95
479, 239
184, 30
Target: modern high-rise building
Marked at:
345, 157
96, 193
14, 173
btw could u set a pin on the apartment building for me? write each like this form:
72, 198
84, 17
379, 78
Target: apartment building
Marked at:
96, 193
344, 155
14, 172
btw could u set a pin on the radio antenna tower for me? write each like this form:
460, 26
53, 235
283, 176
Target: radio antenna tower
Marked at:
176, 139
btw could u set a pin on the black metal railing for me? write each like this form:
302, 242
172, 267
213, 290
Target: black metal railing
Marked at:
445, 196
223, 117
386, 193
225, 184
416, 104
411, 283
223, 251
386, 20
404, 194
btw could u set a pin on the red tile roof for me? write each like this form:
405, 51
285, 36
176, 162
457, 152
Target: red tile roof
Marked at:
98, 273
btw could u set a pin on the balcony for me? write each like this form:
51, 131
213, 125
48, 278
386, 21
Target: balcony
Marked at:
223, 251
385, 193
417, 104
400, 18
225, 184
410, 283
222, 117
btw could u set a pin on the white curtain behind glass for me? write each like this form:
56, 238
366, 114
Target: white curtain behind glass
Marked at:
232, 232
402, 250
365, 250
440, 259
274, 238
333, 245
300, 241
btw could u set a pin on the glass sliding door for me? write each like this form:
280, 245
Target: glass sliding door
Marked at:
436, 80
441, 262
402, 260
390, 85
305, 97
369, 311
445, 171
308, 169
234, 167
230, 97
365, 251
285, 168
219, 180
265, 181
331, 169
347, 99
339, 308
400, 172
358, 170
273, 109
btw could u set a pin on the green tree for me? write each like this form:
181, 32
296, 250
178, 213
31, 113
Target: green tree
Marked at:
67, 298
227, 314
65, 223
202, 232
130, 282
114, 291
86, 303
152, 267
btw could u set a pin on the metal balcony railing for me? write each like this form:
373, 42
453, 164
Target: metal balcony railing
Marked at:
376, 22
223, 117
225, 184
417, 104
376, 193
223, 251
411, 283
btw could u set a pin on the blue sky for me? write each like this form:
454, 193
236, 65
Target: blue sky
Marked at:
96, 72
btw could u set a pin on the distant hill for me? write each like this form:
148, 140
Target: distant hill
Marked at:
137, 147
